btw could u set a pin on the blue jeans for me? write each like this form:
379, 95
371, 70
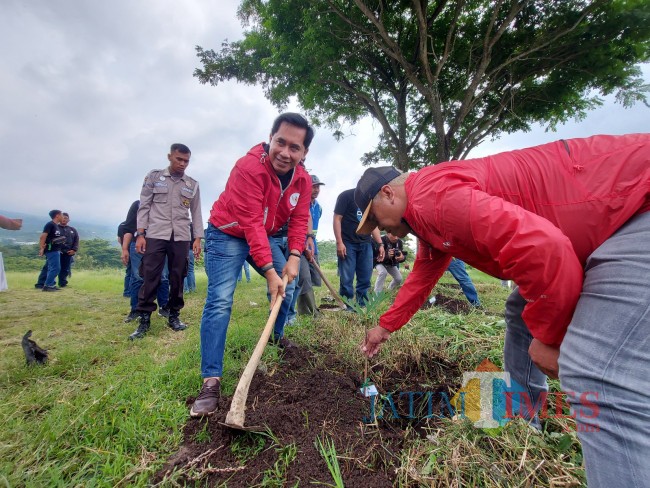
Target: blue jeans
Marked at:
189, 283
53, 267
127, 280
291, 314
358, 260
280, 252
135, 258
458, 271
224, 258
517, 362
247, 270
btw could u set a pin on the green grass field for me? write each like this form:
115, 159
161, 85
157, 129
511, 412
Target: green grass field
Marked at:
108, 412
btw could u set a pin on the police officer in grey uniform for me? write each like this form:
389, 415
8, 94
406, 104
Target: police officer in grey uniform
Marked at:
167, 198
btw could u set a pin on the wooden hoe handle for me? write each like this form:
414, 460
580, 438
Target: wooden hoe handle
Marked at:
237, 414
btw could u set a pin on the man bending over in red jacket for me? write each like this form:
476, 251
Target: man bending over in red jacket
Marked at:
569, 223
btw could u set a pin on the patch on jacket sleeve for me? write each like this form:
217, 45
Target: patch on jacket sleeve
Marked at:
293, 199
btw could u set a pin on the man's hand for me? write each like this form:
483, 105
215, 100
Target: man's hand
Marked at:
125, 256
381, 255
41, 252
292, 268
545, 357
309, 255
72, 252
196, 248
276, 286
373, 341
341, 251
141, 245
309, 245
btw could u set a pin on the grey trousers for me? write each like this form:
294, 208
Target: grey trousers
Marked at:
604, 359
382, 271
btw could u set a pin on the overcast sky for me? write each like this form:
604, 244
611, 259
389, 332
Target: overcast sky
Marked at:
93, 93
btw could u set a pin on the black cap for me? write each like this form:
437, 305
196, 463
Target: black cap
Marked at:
315, 181
369, 185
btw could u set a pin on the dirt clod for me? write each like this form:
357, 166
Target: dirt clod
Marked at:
303, 399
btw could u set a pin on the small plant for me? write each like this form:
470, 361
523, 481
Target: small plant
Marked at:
371, 309
327, 449
277, 475
203, 435
247, 446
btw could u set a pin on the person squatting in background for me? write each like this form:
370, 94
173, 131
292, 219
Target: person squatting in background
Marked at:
393, 256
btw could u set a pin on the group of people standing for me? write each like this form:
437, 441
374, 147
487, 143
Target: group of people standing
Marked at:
568, 222
59, 242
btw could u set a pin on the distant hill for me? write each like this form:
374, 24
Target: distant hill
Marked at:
33, 226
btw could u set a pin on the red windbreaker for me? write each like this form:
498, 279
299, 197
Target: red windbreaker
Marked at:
253, 206
532, 216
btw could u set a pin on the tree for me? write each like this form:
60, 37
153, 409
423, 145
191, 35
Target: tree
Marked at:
98, 253
439, 76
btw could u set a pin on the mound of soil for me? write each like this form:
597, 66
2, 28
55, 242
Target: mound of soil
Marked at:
449, 304
307, 396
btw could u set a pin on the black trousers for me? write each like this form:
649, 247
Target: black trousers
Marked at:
151, 268
66, 263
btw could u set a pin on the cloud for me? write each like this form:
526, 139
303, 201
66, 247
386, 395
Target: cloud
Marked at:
94, 93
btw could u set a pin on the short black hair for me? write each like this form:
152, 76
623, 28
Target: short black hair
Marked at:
297, 120
54, 213
181, 148
65, 214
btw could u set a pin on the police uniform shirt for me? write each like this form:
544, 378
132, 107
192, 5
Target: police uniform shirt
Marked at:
165, 206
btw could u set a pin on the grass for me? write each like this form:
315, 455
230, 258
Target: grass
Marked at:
105, 411
327, 449
108, 412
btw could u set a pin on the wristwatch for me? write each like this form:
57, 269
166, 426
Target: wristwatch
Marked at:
138, 234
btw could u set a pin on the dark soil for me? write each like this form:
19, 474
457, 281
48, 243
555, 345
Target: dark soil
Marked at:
451, 305
308, 396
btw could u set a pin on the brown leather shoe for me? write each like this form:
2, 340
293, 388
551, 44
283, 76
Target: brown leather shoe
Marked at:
208, 400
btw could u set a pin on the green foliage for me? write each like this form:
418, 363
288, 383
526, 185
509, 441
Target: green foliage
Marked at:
439, 77
326, 252
92, 254
327, 449
104, 411
109, 412
276, 476
97, 253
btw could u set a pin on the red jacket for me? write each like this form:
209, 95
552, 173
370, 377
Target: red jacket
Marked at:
253, 205
533, 216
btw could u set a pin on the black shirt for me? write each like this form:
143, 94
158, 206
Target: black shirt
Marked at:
130, 225
398, 245
346, 207
53, 232
71, 238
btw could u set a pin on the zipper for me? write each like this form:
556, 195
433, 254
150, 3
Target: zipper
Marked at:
282, 190
227, 226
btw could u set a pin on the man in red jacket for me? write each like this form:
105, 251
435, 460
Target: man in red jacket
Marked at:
569, 223
267, 188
